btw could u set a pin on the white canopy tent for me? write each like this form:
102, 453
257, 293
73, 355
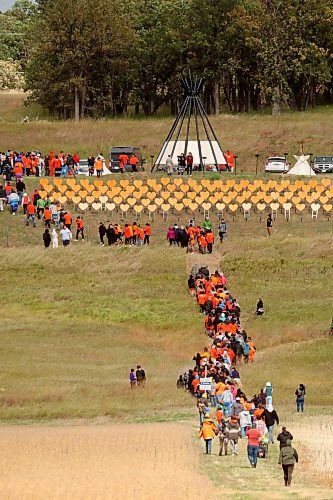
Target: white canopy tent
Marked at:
302, 166
192, 147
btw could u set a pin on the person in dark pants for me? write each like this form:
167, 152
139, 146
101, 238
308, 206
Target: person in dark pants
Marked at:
140, 376
46, 238
260, 308
102, 232
189, 164
269, 225
288, 457
300, 393
253, 436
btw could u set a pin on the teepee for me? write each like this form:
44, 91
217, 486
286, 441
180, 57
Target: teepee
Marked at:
302, 166
179, 140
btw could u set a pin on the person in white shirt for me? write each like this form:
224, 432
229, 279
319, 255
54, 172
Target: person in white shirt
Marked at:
66, 236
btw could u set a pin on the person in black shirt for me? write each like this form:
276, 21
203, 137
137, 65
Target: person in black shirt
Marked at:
140, 376
269, 225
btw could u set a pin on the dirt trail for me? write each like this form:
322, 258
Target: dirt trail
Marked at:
146, 461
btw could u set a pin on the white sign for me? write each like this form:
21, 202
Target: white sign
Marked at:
206, 384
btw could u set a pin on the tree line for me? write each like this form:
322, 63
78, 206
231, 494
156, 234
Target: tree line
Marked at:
110, 57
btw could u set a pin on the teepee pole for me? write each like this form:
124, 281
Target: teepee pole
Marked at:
188, 124
197, 131
207, 133
180, 125
170, 134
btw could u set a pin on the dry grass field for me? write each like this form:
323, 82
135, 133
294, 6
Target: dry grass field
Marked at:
100, 462
244, 134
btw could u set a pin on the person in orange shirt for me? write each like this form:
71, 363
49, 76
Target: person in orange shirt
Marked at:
147, 231
202, 243
128, 234
210, 241
18, 171
79, 228
31, 215
134, 232
47, 217
98, 166
67, 220
57, 166
139, 236
133, 162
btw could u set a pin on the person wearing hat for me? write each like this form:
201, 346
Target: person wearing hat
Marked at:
208, 432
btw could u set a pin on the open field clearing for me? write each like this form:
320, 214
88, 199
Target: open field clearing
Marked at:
100, 462
244, 134
74, 323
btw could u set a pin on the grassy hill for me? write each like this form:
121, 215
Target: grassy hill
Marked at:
74, 321
244, 134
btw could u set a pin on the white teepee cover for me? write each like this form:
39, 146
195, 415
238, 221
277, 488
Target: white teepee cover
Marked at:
192, 146
302, 166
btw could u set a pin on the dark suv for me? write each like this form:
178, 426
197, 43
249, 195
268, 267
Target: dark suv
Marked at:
323, 164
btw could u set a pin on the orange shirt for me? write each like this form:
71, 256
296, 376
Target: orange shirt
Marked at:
140, 233
79, 223
47, 214
210, 237
202, 241
67, 219
99, 165
147, 230
31, 209
127, 232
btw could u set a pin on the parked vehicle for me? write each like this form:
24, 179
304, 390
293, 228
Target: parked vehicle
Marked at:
276, 165
114, 154
323, 164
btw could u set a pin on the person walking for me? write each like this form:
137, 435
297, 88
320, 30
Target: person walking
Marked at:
268, 393
288, 457
3, 198
270, 418
102, 233
269, 225
46, 238
30, 215
300, 393
233, 432
223, 228
55, 242
284, 436
147, 232
140, 376
132, 378
66, 235
208, 432
169, 166
79, 228
223, 436
253, 437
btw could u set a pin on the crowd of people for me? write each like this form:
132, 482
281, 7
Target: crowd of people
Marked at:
191, 235
16, 165
215, 380
56, 219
